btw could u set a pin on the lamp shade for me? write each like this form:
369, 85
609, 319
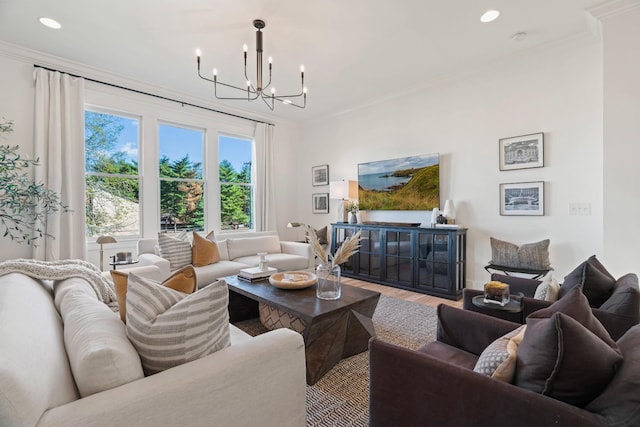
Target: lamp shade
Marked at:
342, 190
449, 210
106, 239
295, 225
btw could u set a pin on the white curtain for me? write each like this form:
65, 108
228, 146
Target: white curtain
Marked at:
265, 215
59, 144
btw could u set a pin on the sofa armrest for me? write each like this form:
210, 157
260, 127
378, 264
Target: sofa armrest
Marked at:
298, 248
470, 331
153, 259
522, 285
409, 388
258, 382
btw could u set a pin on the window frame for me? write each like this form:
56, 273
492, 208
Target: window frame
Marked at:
138, 177
153, 111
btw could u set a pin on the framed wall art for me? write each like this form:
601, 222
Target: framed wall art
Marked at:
522, 152
320, 203
320, 175
522, 198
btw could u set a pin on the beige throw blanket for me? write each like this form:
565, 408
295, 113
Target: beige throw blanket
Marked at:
66, 269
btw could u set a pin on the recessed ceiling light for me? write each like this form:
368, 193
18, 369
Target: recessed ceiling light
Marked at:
51, 23
490, 15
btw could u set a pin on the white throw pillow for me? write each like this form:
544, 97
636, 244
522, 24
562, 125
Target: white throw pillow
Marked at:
548, 289
176, 250
169, 328
100, 355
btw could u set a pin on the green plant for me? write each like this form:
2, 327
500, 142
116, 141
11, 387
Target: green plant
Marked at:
353, 207
24, 205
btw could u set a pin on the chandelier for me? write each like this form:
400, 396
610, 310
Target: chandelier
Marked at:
257, 90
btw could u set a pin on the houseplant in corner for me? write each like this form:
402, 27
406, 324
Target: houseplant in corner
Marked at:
23, 203
328, 271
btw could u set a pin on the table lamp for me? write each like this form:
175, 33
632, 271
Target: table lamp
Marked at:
101, 241
343, 190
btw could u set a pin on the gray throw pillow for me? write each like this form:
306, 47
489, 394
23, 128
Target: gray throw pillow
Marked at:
533, 256
594, 280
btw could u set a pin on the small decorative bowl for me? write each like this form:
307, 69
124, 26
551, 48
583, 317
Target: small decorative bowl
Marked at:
293, 279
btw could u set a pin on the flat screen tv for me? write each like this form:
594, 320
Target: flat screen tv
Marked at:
408, 183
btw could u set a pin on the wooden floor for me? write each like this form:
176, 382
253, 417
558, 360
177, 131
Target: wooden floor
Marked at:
401, 293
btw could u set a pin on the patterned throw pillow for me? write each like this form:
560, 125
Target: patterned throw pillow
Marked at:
205, 250
183, 280
548, 289
169, 328
175, 250
534, 256
498, 360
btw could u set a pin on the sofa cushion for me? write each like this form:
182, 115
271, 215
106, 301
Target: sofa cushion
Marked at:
175, 250
251, 246
204, 250
451, 354
212, 272
562, 359
222, 249
281, 261
548, 289
183, 280
169, 328
34, 369
533, 256
575, 305
619, 403
595, 281
498, 360
100, 355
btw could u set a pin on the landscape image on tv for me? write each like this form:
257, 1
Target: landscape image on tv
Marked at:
408, 183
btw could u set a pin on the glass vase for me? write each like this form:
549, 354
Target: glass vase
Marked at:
328, 287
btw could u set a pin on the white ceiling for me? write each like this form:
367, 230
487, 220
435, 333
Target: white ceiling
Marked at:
354, 51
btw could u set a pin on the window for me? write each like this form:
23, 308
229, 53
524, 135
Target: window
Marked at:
112, 179
236, 183
181, 183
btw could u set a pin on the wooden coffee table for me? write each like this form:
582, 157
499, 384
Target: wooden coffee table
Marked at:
334, 329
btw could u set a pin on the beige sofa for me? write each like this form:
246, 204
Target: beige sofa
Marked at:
49, 377
236, 253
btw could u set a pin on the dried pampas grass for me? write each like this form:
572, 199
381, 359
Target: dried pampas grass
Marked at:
349, 247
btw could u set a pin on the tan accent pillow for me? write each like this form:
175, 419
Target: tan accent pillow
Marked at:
498, 360
183, 280
204, 251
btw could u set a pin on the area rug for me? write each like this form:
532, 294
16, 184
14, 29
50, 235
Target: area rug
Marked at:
341, 397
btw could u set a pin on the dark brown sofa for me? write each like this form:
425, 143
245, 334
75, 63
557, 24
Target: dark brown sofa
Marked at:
436, 386
617, 314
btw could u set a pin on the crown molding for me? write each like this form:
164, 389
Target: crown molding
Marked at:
613, 8
34, 57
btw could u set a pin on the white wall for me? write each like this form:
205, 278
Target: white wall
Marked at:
557, 90
16, 103
621, 32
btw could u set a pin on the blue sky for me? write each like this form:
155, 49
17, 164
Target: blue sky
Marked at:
397, 164
175, 142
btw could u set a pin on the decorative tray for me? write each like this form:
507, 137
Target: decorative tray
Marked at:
293, 279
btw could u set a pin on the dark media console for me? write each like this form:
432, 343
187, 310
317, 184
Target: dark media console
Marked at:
426, 260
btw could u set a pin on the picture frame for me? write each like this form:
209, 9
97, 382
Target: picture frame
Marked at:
522, 152
320, 175
320, 203
522, 199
